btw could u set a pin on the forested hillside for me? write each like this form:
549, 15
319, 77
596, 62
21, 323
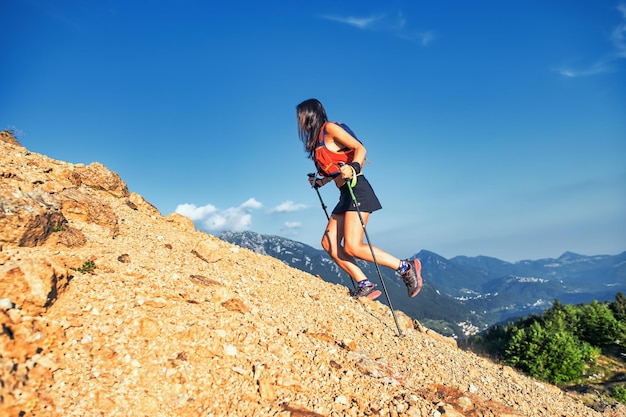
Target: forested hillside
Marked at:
581, 347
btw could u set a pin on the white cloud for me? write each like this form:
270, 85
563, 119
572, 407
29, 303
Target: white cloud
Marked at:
359, 22
603, 65
195, 213
427, 38
618, 37
235, 219
393, 23
252, 203
211, 219
288, 206
597, 68
292, 225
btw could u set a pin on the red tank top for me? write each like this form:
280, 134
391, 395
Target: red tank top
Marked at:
327, 161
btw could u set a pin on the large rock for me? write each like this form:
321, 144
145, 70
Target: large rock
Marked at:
137, 202
27, 219
31, 282
98, 177
9, 137
80, 207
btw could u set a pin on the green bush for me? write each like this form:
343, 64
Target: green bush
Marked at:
618, 307
549, 352
87, 267
619, 393
558, 345
598, 325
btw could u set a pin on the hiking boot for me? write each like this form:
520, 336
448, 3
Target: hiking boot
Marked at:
370, 292
412, 277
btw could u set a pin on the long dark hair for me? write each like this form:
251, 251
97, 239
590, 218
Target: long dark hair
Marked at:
311, 118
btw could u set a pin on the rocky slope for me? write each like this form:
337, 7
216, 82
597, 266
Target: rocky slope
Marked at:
110, 309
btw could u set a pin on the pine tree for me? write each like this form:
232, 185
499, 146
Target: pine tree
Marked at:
598, 326
548, 351
619, 307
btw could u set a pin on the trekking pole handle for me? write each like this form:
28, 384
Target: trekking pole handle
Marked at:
350, 181
312, 179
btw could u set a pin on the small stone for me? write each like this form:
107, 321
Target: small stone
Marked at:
230, 350
341, 399
349, 344
157, 302
15, 315
465, 403
240, 370
6, 304
124, 258
266, 389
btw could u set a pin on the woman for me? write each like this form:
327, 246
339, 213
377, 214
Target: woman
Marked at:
338, 157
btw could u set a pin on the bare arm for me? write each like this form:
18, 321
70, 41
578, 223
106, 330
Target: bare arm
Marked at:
344, 139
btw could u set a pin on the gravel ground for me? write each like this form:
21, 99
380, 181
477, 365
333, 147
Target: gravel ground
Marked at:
165, 320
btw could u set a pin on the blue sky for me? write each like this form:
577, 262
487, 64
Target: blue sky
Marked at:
492, 128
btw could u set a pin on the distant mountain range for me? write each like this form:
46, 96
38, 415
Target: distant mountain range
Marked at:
464, 295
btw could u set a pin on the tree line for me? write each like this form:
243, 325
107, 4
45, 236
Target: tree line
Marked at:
561, 343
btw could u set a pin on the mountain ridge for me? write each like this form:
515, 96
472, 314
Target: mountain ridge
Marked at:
474, 292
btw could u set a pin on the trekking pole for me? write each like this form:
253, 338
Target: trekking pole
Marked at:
312, 175
382, 281
317, 189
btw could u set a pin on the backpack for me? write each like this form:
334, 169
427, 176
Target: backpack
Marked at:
327, 162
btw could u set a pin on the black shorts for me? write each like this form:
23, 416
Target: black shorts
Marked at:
364, 194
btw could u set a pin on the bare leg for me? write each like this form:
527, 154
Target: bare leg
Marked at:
355, 247
331, 242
